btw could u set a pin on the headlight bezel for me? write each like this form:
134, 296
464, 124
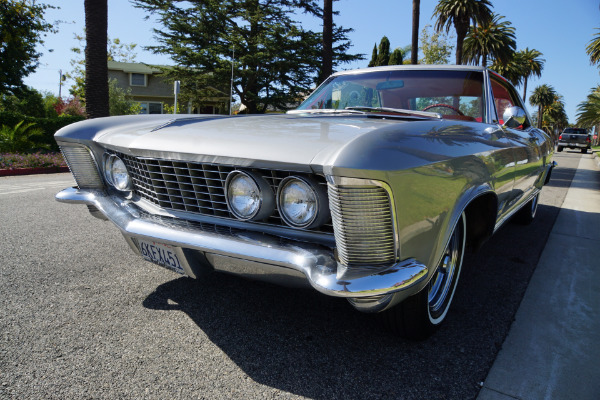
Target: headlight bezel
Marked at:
110, 162
321, 214
266, 197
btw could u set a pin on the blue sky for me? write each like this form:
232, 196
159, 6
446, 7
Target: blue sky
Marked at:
560, 30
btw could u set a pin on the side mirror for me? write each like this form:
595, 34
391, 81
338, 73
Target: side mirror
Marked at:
514, 117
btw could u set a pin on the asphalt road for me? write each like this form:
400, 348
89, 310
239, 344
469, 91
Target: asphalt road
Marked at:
82, 317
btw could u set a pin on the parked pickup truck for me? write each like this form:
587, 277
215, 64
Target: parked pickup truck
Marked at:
574, 138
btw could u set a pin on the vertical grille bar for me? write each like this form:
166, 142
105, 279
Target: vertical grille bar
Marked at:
82, 166
363, 225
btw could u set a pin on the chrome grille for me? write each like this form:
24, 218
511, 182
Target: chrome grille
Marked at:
363, 225
195, 187
82, 166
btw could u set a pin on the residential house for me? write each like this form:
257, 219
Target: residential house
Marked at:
149, 88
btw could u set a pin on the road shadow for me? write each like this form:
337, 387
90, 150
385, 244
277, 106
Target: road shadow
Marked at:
311, 345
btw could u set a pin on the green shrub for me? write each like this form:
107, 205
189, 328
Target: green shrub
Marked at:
49, 126
21, 138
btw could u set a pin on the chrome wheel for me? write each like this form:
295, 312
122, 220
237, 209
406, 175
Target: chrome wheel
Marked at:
443, 283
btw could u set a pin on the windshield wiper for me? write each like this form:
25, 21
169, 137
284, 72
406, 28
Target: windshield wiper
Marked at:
397, 110
326, 111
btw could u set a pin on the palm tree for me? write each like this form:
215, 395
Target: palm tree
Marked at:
532, 65
460, 13
96, 58
542, 97
588, 111
327, 52
493, 39
593, 49
555, 117
414, 50
512, 70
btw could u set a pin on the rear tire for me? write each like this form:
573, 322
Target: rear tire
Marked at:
584, 151
526, 215
559, 149
420, 315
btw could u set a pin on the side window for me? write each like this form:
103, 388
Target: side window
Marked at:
504, 97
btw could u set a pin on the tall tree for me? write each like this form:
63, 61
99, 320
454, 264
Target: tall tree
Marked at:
532, 65
327, 51
414, 50
383, 53
116, 51
588, 111
436, 47
276, 60
542, 97
22, 29
593, 48
96, 58
459, 14
373, 61
396, 58
492, 39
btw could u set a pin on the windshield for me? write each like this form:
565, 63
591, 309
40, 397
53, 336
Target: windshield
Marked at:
454, 94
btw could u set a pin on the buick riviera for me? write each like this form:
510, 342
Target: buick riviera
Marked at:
371, 190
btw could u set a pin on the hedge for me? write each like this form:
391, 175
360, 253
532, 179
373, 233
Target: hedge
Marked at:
48, 125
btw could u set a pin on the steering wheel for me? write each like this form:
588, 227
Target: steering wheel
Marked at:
456, 110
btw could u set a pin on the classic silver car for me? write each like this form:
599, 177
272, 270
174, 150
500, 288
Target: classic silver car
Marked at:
371, 190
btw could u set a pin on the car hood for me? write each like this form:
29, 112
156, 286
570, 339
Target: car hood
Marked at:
288, 139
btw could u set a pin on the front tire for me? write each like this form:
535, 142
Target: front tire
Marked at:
420, 315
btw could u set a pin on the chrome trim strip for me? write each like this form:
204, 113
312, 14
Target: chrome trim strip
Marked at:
516, 209
317, 263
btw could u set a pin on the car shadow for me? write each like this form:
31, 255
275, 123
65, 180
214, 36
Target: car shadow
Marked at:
302, 342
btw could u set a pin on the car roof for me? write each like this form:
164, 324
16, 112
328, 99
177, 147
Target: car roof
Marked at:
426, 67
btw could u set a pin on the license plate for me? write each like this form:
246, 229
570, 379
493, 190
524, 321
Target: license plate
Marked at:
161, 254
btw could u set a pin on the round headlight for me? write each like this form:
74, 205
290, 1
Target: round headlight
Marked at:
301, 203
116, 173
249, 196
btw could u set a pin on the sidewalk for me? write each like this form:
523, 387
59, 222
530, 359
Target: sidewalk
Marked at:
553, 348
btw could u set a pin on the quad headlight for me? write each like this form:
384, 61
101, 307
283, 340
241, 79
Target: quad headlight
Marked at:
302, 203
249, 196
116, 173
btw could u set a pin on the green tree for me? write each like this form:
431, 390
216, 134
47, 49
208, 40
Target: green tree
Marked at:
531, 64
275, 58
542, 97
28, 102
491, 39
459, 14
120, 101
116, 51
555, 117
436, 47
96, 62
396, 58
414, 50
588, 111
22, 29
373, 61
383, 53
593, 48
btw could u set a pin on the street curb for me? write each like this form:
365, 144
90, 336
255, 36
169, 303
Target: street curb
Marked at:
32, 171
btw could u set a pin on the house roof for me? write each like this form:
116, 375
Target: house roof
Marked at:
136, 68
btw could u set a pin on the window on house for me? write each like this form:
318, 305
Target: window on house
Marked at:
151, 108
138, 79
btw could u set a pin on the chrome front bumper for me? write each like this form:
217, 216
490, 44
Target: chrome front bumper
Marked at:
250, 254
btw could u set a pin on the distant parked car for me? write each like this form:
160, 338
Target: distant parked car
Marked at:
371, 190
575, 138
